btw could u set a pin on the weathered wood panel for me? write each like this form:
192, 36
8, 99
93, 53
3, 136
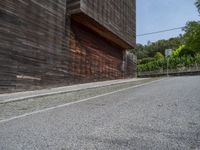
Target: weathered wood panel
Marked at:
33, 43
39, 47
73, 7
99, 29
94, 57
131, 65
116, 15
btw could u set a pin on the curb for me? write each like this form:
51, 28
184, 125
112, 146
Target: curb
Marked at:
23, 98
4, 120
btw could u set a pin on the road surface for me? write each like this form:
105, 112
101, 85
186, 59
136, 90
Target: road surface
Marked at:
161, 115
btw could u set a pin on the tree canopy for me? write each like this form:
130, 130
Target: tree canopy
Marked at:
159, 56
192, 36
197, 3
150, 50
190, 40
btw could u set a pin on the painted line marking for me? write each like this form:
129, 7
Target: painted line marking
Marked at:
10, 100
76, 102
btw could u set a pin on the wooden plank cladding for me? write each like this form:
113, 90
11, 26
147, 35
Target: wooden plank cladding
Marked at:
118, 16
73, 7
94, 58
43, 44
33, 44
99, 29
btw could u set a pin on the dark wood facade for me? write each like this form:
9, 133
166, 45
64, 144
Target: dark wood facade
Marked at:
117, 16
48, 43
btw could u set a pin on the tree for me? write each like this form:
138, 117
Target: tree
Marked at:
139, 51
159, 56
197, 3
149, 51
192, 36
182, 51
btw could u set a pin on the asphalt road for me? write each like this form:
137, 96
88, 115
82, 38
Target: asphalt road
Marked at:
161, 115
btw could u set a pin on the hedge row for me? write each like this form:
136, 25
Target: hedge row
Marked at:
174, 63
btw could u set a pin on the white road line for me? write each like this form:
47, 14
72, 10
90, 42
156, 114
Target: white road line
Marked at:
61, 91
71, 103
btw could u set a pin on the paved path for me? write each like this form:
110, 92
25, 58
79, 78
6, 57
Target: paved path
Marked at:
161, 115
52, 91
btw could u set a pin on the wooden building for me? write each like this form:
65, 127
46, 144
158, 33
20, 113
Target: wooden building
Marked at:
49, 43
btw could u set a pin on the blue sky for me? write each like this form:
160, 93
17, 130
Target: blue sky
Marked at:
156, 15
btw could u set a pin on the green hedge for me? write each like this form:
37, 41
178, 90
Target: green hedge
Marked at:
145, 60
174, 63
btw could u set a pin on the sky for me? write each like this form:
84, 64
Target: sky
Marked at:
157, 15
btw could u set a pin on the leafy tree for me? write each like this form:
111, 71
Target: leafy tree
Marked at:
145, 60
197, 3
140, 51
182, 51
158, 56
186, 52
176, 52
192, 36
150, 50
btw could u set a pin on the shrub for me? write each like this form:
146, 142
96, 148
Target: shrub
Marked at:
159, 56
145, 60
174, 63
